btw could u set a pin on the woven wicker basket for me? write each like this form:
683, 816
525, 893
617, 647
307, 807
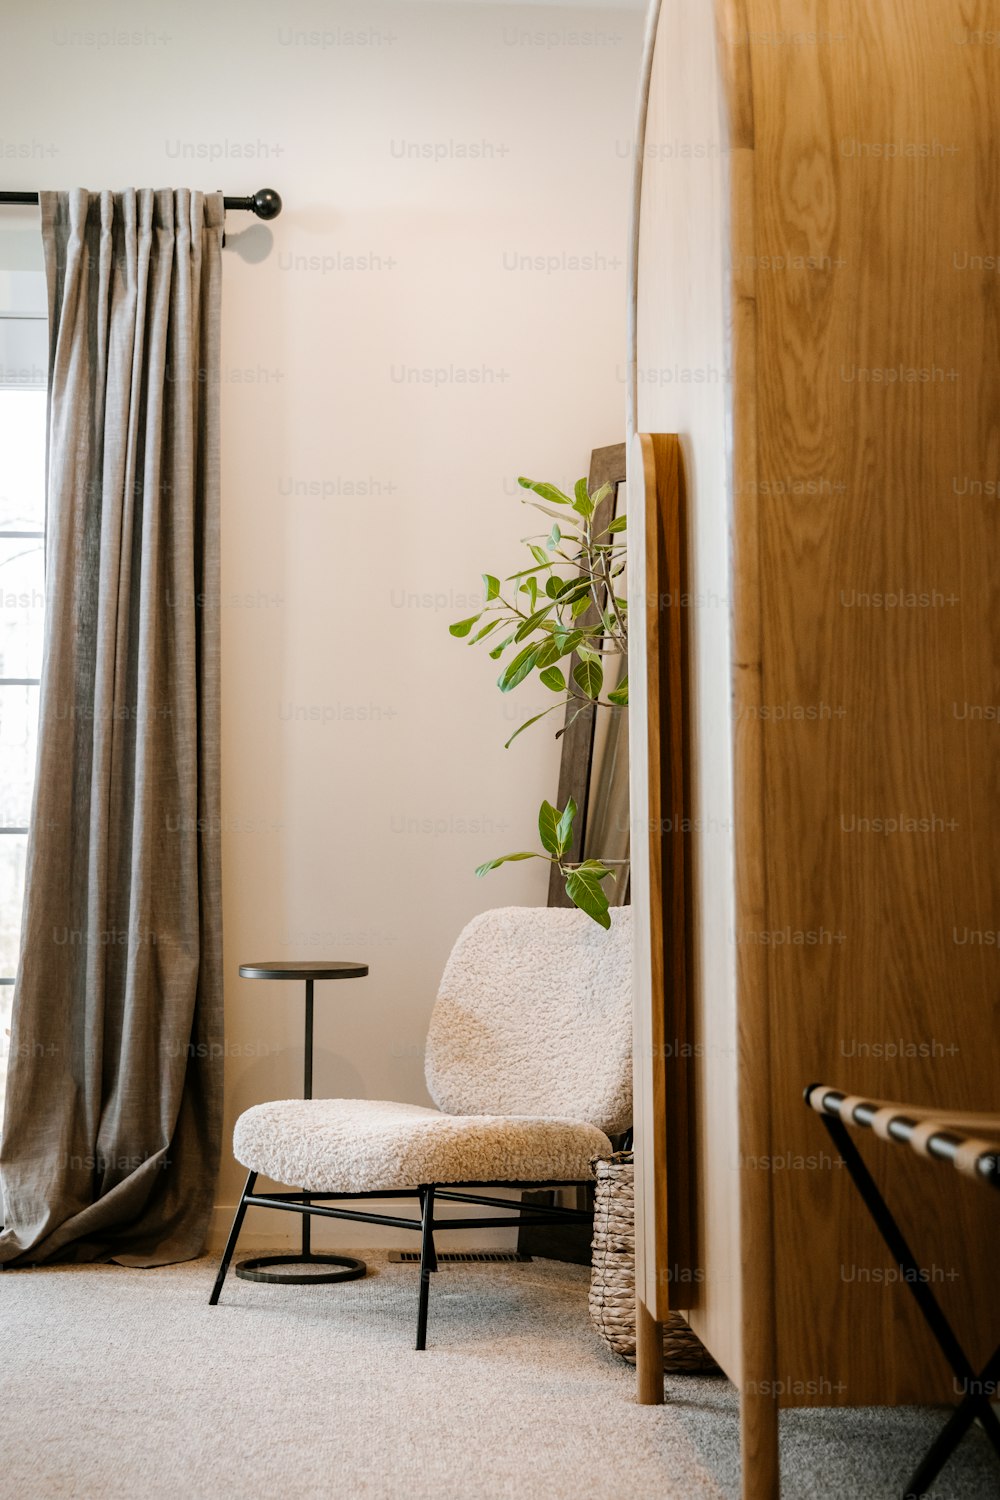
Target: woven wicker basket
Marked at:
612, 1276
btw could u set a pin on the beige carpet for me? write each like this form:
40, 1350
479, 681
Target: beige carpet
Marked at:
117, 1383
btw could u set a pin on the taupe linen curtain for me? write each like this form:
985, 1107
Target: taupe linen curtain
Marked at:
112, 1127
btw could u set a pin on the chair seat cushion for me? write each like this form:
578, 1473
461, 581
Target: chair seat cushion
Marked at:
363, 1145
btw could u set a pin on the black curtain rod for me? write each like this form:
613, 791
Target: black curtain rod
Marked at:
265, 203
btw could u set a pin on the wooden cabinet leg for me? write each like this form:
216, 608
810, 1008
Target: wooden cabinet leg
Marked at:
759, 1446
648, 1357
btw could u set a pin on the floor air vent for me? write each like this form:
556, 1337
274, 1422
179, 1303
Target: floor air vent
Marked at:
453, 1257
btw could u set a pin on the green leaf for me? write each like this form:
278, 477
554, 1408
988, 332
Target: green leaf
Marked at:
583, 505
584, 889
462, 627
532, 622
540, 555
494, 864
517, 670
487, 628
553, 584
498, 651
565, 584
527, 572
601, 494
586, 653
492, 586
589, 676
580, 605
554, 679
585, 708
544, 510
567, 642
549, 653
555, 537
620, 694
548, 824
579, 588
619, 523
564, 830
526, 725
546, 491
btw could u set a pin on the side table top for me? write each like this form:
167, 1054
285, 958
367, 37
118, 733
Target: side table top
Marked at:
284, 968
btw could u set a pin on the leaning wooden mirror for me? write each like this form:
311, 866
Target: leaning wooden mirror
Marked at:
594, 766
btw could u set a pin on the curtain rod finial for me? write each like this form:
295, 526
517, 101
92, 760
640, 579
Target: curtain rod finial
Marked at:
266, 203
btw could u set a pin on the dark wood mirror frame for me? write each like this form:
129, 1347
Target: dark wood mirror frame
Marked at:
576, 769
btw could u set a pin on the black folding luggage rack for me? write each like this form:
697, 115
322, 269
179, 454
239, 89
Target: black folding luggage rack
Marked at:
939, 1138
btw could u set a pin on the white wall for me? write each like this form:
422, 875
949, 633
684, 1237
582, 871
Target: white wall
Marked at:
431, 143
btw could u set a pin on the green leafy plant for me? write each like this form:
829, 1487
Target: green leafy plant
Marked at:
564, 621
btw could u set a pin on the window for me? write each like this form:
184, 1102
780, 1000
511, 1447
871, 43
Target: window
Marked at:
23, 369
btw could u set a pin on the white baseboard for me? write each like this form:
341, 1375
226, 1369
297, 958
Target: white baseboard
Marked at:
264, 1229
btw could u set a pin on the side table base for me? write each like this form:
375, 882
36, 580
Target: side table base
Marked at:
259, 1269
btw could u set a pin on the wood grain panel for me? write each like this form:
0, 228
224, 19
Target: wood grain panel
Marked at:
877, 385
818, 308
758, 1405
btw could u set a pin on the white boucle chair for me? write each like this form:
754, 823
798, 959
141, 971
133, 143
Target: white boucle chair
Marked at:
529, 1061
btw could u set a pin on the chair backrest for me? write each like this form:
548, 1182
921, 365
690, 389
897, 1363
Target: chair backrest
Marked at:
534, 1017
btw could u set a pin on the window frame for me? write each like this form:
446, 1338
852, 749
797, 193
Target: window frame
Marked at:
22, 534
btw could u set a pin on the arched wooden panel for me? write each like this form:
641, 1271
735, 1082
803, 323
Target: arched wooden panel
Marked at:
818, 320
682, 352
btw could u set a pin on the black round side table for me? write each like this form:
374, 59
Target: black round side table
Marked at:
263, 1267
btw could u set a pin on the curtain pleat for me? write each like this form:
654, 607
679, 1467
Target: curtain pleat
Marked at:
112, 1127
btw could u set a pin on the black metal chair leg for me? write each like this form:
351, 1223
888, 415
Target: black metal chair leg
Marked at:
234, 1235
428, 1262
